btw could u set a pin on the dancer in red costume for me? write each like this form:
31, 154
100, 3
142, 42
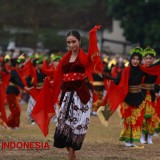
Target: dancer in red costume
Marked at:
16, 81
148, 87
74, 114
36, 81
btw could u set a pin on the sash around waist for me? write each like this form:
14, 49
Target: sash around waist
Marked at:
98, 83
12, 84
134, 89
39, 84
80, 87
73, 76
148, 86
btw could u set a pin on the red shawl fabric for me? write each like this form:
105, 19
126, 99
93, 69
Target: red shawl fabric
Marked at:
29, 70
117, 93
91, 62
2, 101
3, 85
48, 70
158, 107
34, 92
5, 78
45, 110
94, 63
155, 70
21, 75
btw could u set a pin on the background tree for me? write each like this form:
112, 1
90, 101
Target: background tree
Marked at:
41, 19
140, 20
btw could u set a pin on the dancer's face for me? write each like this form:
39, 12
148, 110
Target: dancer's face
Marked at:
135, 61
148, 60
73, 43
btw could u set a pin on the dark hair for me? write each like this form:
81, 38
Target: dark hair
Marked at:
149, 54
14, 62
74, 33
136, 54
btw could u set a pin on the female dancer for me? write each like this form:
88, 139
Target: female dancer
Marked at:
13, 91
74, 113
148, 88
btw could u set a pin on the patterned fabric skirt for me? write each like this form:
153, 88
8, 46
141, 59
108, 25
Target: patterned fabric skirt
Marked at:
150, 116
73, 122
132, 122
158, 113
15, 109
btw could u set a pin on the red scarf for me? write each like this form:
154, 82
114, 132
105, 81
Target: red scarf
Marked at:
3, 85
155, 70
21, 75
117, 93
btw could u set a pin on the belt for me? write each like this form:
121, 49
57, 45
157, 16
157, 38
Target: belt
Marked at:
134, 89
98, 83
73, 76
147, 86
40, 84
12, 84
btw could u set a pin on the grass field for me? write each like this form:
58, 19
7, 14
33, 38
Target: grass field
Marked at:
101, 143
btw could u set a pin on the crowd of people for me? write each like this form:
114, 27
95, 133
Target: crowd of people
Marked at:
75, 86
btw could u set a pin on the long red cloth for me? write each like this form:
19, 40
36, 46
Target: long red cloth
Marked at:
29, 70
2, 101
45, 110
158, 107
117, 93
4, 83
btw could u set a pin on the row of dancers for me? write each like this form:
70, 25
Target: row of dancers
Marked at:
68, 91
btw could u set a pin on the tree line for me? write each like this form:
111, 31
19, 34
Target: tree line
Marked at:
39, 20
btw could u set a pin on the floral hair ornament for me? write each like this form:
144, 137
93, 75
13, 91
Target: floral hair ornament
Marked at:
137, 49
149, 50
7, 57
21, 58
